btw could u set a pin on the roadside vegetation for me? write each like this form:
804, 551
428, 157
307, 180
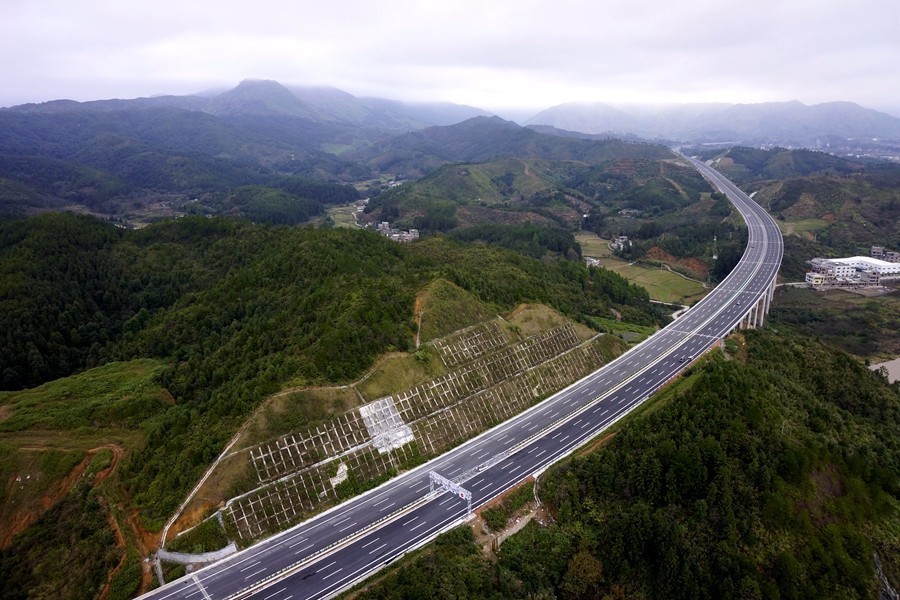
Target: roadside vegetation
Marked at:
763, 478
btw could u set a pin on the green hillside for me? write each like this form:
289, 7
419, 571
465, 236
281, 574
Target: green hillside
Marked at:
63, 447
743, 164
483, 139
236, 310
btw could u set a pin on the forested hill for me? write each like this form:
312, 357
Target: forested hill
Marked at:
769, 474
483, 139
236, 310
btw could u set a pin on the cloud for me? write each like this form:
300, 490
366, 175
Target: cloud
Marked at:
499, 53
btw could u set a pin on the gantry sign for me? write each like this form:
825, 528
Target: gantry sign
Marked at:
439, 480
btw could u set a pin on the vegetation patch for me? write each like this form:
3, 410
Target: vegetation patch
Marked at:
592, 245
208, 536
398, 372
443, 307
498, 514
866, 327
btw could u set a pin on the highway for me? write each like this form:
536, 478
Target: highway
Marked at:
334, 550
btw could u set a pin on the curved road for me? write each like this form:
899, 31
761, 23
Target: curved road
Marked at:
332, 551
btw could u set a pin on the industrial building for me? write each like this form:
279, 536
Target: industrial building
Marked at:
852, 271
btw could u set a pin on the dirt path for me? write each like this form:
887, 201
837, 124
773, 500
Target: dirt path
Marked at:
120, 542
26, 516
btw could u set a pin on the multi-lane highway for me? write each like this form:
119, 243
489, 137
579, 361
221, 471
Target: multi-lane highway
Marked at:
327, 554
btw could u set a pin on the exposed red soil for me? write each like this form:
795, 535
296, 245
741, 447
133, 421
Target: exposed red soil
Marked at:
120, 542
694, 265
191, 516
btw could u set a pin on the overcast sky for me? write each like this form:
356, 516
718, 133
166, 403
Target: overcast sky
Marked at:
489, 53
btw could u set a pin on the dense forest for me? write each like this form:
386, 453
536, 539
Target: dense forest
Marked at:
236, 310
756, 477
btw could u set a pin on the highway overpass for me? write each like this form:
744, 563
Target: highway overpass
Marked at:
332, 551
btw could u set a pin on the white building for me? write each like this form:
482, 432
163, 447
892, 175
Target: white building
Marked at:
848, 267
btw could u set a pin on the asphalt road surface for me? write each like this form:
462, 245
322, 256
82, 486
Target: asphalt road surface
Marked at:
328, 553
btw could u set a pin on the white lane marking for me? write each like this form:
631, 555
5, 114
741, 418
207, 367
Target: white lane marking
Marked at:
378, 548
254, 573
303, 548
342, 529
336, 523
273, 594
388, 506
419, 525
408, 522
367, 544
332, 574
381, 501
297, 543
250, 566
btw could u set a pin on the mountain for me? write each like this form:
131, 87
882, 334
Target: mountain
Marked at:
782, 123
256, 97
486, 138
743, 165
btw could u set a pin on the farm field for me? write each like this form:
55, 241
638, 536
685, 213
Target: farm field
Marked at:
660, 283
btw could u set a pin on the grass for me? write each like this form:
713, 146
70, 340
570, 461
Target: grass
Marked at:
593, 246
531, 319
296, 411
661, 284
638, 333
804, 228
445, 307
343, 215
205, 537
116, 395
30, 475
401, 371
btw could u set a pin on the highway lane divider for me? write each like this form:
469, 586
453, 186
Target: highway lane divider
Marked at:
333, 547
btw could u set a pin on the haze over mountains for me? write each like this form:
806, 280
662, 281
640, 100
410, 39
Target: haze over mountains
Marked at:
773, 123
268, 98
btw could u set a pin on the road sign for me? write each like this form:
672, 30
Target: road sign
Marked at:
451, 486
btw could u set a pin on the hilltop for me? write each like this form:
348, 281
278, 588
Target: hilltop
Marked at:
485, 138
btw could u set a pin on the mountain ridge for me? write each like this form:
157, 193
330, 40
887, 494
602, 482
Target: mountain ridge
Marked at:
790, 122
263, 97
